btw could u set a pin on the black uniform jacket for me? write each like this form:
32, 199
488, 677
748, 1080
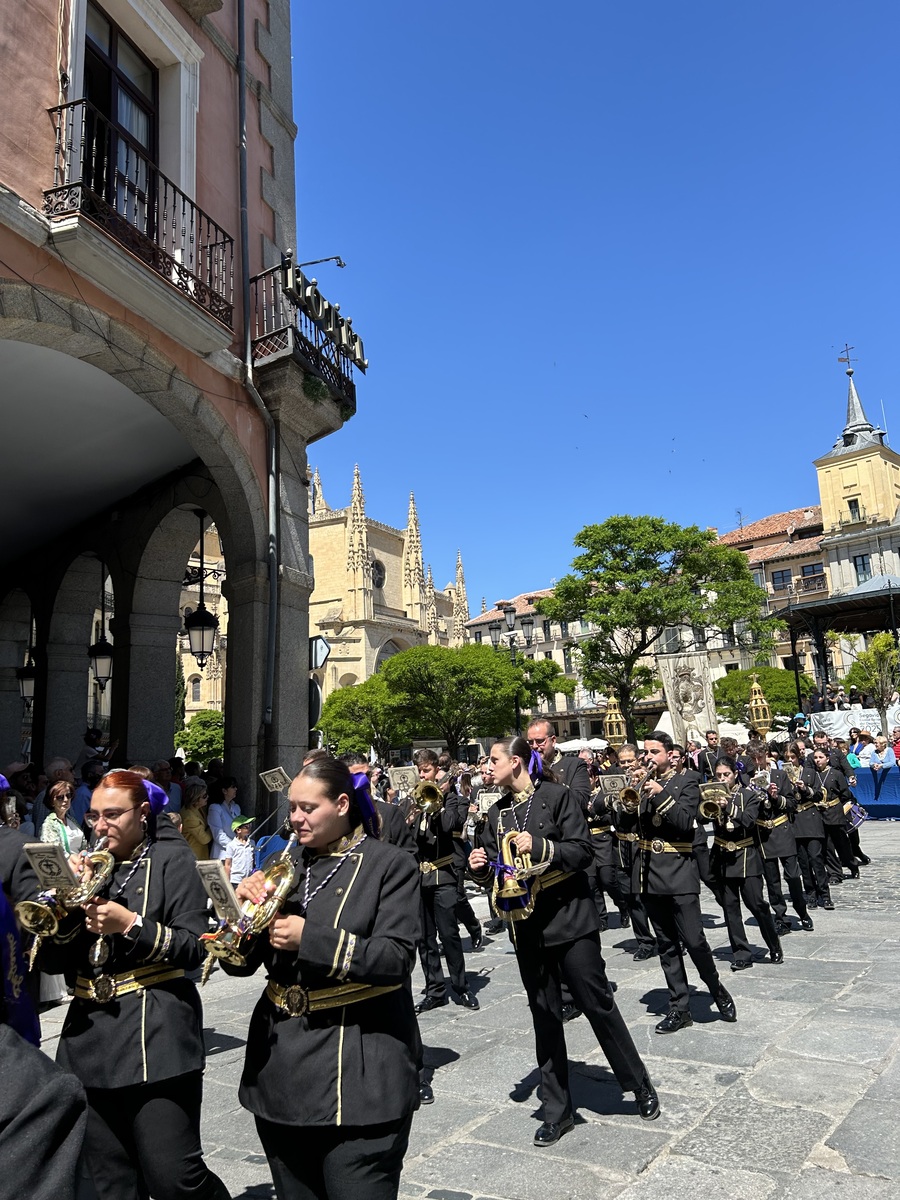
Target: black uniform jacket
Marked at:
777, 841
600, 824
564, 910
395, 830
353, 1064
157, 1033
667, 820
807, 814
838, 794
434, 839
16, 874
744, 861
572, 771
706, 761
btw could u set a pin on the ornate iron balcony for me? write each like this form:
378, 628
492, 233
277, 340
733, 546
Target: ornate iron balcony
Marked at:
279, 326
100, 172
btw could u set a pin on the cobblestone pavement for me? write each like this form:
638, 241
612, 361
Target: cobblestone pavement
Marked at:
800, 1100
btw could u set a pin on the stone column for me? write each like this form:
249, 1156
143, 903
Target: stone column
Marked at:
151, 685
68, 665
247, 592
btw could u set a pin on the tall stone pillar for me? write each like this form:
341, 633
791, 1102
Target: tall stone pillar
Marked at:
246, 590
68, 667
151, 685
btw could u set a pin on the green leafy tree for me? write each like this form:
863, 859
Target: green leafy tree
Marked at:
876, 673
363, 716
732, 692
204, 736
543, 679
180, 694
453, 694
638, 576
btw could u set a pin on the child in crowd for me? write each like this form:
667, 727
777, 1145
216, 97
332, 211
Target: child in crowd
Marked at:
240, 859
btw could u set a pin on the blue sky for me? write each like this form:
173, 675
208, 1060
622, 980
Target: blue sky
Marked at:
603, 257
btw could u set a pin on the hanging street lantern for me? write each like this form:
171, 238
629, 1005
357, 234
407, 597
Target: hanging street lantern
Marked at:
201, 625
101, 653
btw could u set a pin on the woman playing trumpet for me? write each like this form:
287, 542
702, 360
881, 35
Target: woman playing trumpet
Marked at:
134, 1033
736, 861
330, 1073
559, 937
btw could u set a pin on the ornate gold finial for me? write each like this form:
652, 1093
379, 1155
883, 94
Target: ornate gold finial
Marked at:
758, 709
614, 723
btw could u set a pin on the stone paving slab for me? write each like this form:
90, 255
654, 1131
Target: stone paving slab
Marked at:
811, 1070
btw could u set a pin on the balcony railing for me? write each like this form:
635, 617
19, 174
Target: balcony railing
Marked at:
99, 172
279, 325
856, 516
813, 583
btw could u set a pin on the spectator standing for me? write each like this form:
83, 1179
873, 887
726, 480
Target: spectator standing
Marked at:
194, 825
222, 813
59, 827
241, 856
162, 777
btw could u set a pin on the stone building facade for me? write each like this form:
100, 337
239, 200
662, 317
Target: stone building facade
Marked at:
157, 353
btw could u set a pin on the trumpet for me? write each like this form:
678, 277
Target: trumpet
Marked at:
41, 917
233, 940
514, 889
629, 798
711, 793
428, 798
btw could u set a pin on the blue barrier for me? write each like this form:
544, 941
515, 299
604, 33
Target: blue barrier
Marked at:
878, 791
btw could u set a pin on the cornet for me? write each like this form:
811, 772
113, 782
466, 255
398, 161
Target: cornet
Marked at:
710, 794
428, 798
41, 917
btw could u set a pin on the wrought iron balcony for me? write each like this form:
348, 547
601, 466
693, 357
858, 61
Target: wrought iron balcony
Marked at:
101, 173
814, 583
279, 326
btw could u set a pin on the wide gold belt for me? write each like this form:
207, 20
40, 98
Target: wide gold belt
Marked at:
658, 846
741, 845
627, 837
427, 867
549, 878
599, 828
296, 1000
773, 824
106, 988
808, 804
832, 803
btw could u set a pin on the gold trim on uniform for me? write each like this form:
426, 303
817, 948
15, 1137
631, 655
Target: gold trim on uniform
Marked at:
773, 823
731, 846
658, 846
337, 953
348, 956
105, 988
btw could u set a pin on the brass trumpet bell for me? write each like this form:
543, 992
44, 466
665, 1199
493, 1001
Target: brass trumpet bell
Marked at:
710, 795
428, 798
42, 919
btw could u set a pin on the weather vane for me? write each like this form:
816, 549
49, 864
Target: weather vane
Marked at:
845, 358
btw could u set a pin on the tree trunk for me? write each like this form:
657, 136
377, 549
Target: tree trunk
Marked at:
624, 695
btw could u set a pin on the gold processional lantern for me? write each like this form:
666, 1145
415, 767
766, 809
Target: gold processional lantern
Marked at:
614, 723
758, 710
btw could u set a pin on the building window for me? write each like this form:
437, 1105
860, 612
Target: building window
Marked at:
759, 578
585, 625
728, 639
862, 564
731, 667
853, 506
699, 637
812, 569
789, 663
548, 654
781, 580
378, 574
478, 636
195, 689
567, 661
671, 641
546, 631
564, 629
551, 704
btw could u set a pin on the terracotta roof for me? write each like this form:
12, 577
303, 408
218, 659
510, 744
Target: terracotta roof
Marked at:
777, 550
524, 605
766, 527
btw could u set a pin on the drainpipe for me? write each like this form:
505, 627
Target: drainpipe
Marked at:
271, 459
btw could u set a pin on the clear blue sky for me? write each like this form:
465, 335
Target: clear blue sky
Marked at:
603, 257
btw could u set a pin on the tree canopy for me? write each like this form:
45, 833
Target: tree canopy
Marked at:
876, 672
732, 692
639, 576
203, 737
438, 692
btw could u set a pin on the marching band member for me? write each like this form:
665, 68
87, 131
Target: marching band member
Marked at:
778, 847
625, 827
133, 1034
559, 936
438, 864
736, 861
831, 784
809, 831
330, 1072
665, 874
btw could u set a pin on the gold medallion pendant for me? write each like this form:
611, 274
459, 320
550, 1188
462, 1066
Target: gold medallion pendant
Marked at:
103, 989
295, 1000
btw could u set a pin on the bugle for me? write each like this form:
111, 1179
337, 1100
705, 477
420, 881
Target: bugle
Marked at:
711, 793
515, 880
428, 798
41, 917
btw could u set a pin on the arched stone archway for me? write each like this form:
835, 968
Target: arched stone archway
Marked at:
64, 691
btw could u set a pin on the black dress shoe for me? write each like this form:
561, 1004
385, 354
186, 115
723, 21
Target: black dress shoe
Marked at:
725, 1004
863, 860
570, 1012
644, 952
624, 919
674, 1020
603, 927
854, 872
647, 1100
782, 927
742, 964
431, 1002
811, 901
806, 923
477, 937
776, 956
467, 1000
494, 926
828, 905
426, 1095
833, 880
551, 1131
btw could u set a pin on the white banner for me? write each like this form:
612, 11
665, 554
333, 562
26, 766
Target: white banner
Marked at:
689, 696
839, 724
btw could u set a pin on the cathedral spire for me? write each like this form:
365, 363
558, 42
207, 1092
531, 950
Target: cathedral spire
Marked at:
859, 433
357, 535
431, 620
412, 554
460, 602
319, 504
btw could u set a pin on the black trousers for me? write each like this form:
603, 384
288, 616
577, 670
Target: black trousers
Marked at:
605, 878
750, 888
812, 867
145, 1141
439, 917
772, 873
465, 914
838, 843
634, 903
335, 1162
582, 964
676, 920
707, 875
853, 835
